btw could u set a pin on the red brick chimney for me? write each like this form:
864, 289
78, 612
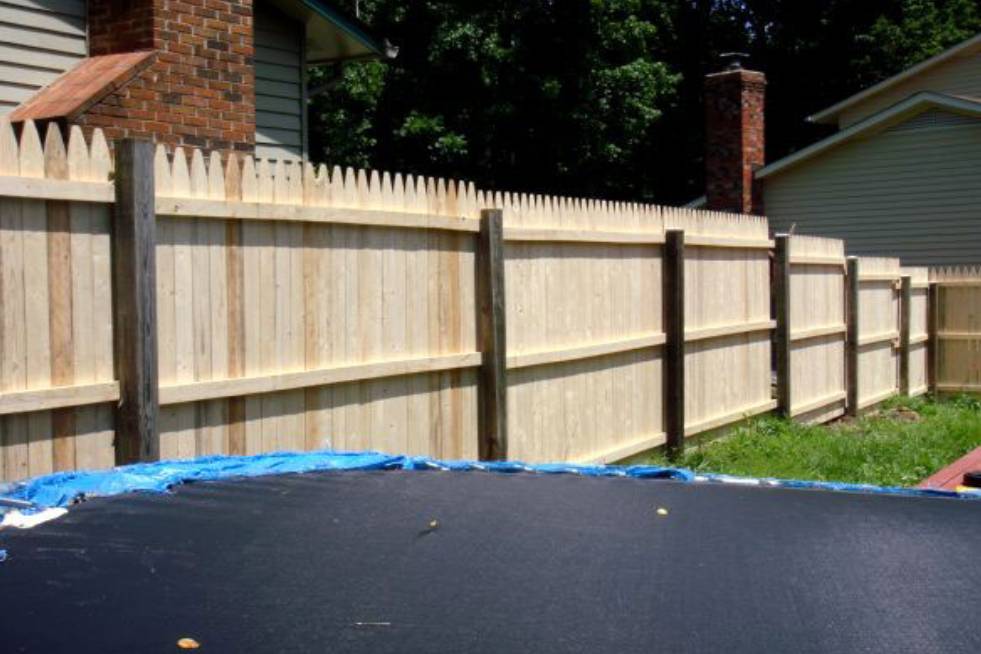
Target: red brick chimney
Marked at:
734, 138
178, 71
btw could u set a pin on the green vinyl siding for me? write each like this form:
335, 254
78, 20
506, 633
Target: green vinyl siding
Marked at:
960, 76
39, 40
912, 191
279, 91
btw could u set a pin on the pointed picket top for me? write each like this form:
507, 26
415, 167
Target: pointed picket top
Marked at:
361, 188
250, 185
335, 186
387, 193
539, 206
216, 177
100, 159
78, 155
180, 178
31, 152
161, 170
232, 179
524, 208
473, 211
321, 186
349, 188
264, 181
410, 200
398, 192
421, 202
9, 150
309, 185
199, 174
281, 182
55, 156
373, 197
452, 207
294, 182
362, 196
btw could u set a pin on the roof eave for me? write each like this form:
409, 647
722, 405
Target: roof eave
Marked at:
355, 28
829, 116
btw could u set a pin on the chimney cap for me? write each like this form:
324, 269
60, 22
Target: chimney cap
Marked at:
734, 60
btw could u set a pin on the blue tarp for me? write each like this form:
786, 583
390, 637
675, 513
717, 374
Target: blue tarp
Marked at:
63, 488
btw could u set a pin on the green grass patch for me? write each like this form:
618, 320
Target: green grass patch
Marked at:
905, 441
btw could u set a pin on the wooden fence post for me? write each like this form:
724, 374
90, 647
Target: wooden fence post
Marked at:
851, 345
674, 345
492, 402
905, 310
781, 336
933, 309
135, 303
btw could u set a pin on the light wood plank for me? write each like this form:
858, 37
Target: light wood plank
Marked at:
296, 213
57, 397
593, 350
206, 390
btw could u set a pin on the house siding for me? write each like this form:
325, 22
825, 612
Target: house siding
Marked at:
912, 191
279, 80
39, 40
958, 76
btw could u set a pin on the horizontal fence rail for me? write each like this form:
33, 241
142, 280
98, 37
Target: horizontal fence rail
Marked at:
297, 307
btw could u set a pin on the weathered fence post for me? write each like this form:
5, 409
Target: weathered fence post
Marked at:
135, 303
674, 345
905, 310
852, 332
492, 426
933, 340
781, 336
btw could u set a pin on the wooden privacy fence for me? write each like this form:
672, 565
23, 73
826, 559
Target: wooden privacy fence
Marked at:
956, 316
592, 317
187, 305
851, 332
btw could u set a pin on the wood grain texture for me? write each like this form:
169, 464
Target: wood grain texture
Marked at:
299, 307
817, 328
674, 351
878, 329
492, 338
135, 304
725, 286
781, 336
956, 335
55, 331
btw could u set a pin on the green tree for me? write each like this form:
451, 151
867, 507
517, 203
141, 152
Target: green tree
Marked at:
523, 95
603, 97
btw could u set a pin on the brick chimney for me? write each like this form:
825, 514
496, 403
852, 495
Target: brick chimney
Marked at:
199, 89
734, 138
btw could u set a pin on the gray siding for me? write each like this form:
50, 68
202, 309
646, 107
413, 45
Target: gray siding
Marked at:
912, 191
39, 40
958, 76
279, 91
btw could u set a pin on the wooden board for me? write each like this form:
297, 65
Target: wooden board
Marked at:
879, 322
958, 323
817, 328
55, 296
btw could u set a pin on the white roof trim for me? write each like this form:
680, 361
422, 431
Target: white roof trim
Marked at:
832, 112
897, 113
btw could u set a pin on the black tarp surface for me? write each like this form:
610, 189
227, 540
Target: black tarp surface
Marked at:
351, 562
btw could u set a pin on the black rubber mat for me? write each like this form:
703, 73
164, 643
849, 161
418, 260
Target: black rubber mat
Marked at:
485, 562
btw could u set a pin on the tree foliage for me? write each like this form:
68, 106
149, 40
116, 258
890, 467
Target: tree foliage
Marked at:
602, 97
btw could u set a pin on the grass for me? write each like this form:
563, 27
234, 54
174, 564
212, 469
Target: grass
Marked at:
905, 441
